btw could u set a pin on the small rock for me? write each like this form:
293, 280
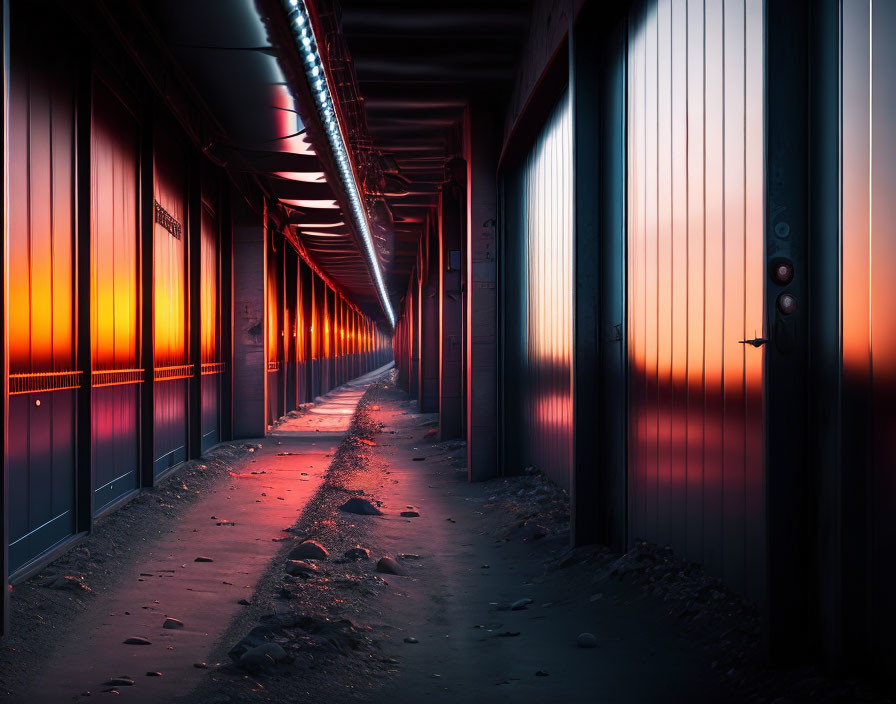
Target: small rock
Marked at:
409, 514
153, 674
507, 634
119, 682
200, 665
362, 507
263, 655
586, 640
301, 568
520, 604
408, 556
541, 673
203, 559
531, 531
357, 553
411, 640
173, 623
388, 565
596, 597
309, 550
243, 602
418, 459
137, 640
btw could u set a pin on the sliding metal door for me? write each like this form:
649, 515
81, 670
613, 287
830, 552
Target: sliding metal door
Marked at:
172, 368
43, 376
696, 272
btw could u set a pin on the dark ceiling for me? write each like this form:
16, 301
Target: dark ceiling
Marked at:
417, 65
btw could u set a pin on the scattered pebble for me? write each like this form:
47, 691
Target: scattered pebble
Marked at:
418, 459
520, 604
586, 640
362, 507
153, 674
203, 559
243, 602
119, 682
541, 673
301, 568
357, 553
173, 623
200, 665
408, 556
309, 550
410, 514
410, 639
137, 640
388, 565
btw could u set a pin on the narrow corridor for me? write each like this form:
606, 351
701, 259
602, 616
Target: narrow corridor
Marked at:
200, 570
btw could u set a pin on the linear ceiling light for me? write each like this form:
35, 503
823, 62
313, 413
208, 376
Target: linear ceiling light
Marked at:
317, 82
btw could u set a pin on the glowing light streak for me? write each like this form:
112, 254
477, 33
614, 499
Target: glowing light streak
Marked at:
320, 90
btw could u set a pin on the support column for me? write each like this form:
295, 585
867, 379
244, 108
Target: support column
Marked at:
429, 321
249, 307
452, 216
414, 342
481, 293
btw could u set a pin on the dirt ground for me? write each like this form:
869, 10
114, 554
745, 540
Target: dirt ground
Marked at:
490, 604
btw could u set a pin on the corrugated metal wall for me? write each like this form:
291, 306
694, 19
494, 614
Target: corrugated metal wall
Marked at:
538, 303
41, 271
696, 267
274, 328
211, 357
115, 297
171, 340
868, 304
547, 188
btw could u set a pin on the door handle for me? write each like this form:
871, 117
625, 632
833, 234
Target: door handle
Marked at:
756, 342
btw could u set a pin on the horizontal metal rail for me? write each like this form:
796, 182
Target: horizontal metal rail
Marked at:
116, 377
43, 381
182, 371
212, 368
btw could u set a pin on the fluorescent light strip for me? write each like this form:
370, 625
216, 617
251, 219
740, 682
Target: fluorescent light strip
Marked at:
317, 82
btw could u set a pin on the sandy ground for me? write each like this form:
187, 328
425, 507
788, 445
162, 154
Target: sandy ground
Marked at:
489, 605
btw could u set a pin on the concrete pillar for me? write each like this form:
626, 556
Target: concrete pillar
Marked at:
249, 320
429, 320
482, 148
414, 342
452, 218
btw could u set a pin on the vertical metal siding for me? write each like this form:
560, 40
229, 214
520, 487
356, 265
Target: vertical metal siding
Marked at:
868, 153
696, 282
170, 312
115, 301
41, 271
210, 316
547, 237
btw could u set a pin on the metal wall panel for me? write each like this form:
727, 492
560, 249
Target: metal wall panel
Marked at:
274, 328
868, 165
546, 239
696, 283
115, 300
40, 292
171, 346
210, 316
